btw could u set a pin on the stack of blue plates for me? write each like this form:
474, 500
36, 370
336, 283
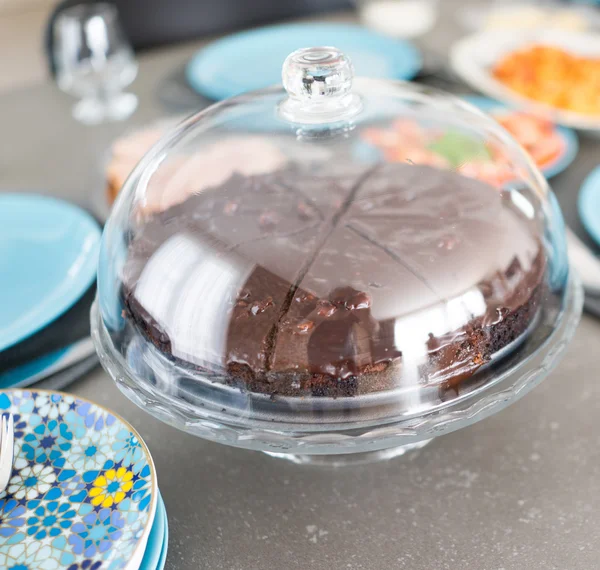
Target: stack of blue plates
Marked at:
83, 491
48, 257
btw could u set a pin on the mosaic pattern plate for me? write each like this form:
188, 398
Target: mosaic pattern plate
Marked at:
83, 491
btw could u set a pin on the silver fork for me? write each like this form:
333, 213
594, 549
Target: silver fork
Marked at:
6, 450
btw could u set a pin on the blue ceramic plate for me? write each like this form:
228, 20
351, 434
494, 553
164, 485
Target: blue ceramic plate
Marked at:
83, 491
156, 540
252, 60
589, 204
163, 553
571, 144
46, 365
48, 258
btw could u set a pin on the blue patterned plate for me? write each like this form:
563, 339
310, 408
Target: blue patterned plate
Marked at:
83, 492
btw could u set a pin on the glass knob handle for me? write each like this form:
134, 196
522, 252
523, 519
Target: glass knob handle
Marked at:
318, 82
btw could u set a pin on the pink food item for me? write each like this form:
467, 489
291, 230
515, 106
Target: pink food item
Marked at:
407, 141
180, 176
538, 136
126, 152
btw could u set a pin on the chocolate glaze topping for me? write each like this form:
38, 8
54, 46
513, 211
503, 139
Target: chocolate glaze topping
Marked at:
324, 284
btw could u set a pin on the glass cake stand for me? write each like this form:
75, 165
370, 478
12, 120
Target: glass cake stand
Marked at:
339, 442
333, 272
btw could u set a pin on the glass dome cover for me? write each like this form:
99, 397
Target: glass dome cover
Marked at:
337, 265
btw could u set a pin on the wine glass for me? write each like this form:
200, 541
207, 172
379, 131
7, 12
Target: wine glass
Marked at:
94, 61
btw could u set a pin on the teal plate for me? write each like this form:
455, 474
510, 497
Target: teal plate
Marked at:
48, 258
163, 553
252, 60
588, 204
83, 491
158, 539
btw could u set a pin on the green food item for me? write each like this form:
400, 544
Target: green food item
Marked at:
458, 148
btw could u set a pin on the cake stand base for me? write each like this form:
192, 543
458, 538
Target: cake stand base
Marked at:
349, 459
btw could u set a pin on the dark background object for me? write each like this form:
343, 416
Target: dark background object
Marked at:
72, 326
155, 22
150, 23
592, 305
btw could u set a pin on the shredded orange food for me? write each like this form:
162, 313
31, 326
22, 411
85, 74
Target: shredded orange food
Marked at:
553, 76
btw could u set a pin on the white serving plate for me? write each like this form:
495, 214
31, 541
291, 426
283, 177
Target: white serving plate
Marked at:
473, 57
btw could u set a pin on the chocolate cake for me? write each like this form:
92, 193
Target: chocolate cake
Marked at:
336, 282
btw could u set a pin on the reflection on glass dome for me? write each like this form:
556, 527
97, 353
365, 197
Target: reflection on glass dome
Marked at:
296, 284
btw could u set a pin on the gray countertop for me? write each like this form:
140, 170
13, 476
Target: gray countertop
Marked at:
520, 490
